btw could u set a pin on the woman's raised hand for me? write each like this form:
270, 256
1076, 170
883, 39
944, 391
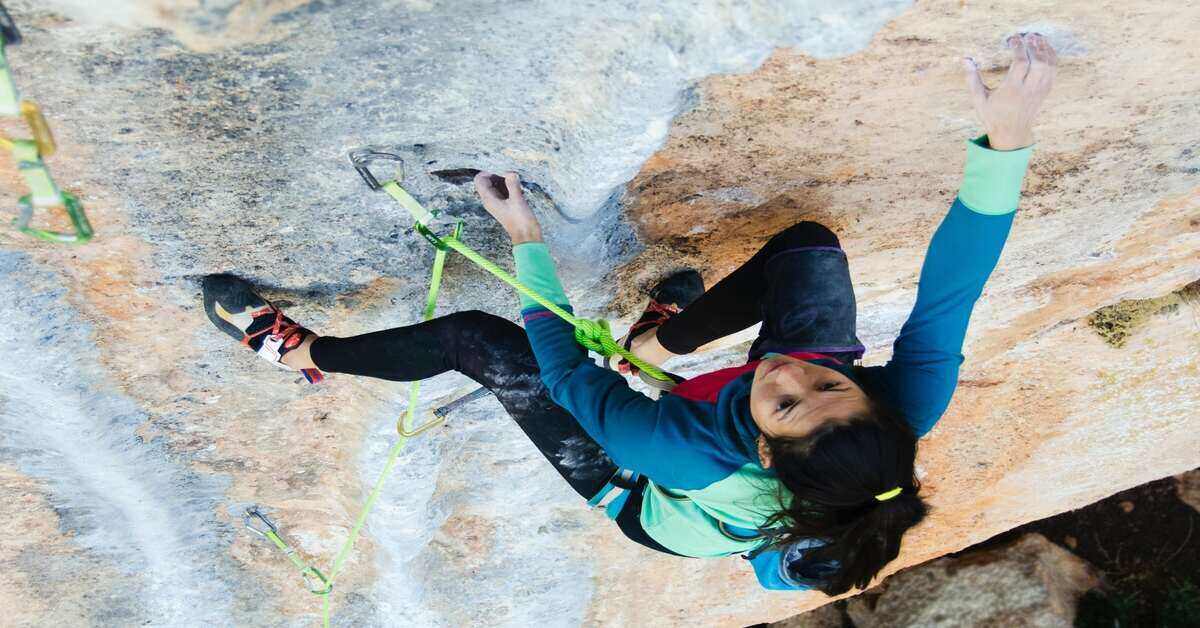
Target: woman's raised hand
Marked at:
1008, 111
503, 199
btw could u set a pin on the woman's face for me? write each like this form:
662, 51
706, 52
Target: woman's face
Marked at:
790, 398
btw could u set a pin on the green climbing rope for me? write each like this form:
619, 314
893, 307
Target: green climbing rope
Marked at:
260, 524
405, 430
344, 553
595, 335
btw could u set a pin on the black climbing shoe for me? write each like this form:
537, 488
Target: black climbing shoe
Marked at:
236, 309
667, 299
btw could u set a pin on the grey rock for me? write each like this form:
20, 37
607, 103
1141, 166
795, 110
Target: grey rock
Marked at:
1030, 583
212, 137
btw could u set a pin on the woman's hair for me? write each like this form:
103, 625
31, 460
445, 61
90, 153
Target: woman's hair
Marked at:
834, 475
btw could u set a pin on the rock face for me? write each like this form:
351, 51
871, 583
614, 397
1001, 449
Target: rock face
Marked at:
209, 137
1031, 582
1189, 488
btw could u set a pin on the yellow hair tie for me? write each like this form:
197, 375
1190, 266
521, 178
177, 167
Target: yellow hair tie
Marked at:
883, 497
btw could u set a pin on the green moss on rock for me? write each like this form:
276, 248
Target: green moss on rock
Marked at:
1115, 323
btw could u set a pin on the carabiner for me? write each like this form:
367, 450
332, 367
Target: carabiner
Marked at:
420, 429
432, 237
74, 209
253, 513
362, 158
309, 574
8, 28
254, 518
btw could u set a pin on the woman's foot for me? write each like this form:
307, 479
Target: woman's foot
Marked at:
236, 309
667, 299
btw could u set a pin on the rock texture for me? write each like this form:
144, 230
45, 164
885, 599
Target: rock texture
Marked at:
1029, 583
1189, 488
828, 616
207, 137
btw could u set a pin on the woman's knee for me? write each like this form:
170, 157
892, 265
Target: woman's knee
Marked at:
474, 328
804, 234
476, 319
476, 338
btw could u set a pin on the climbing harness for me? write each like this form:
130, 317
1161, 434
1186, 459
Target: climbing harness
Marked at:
28, 153
592, 334
613, 495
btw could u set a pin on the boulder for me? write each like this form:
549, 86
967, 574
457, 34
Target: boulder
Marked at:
1028, 583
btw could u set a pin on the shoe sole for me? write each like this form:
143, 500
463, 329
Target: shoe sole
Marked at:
680, 289
230, 295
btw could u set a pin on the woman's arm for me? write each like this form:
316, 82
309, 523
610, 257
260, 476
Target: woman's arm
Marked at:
672, 442
923, 373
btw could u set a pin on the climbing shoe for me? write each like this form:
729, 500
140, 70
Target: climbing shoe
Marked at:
667, 299
236, 309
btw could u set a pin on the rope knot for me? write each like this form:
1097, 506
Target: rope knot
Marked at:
595, 335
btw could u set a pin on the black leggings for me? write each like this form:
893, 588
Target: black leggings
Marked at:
798, 285
495, 352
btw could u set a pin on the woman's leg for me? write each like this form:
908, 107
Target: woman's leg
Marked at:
797, 285
495, 353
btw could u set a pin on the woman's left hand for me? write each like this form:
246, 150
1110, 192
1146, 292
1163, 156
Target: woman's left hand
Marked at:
509, 208
1008, 111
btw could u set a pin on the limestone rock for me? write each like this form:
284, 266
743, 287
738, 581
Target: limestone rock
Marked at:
211, 137
1025, 584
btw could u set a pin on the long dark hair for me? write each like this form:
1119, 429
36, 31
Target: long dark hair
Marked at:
834, 475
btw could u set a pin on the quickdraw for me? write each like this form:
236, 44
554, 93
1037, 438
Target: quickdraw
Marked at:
258, 523
44, 193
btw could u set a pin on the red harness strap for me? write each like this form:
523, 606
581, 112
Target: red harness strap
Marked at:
707, 387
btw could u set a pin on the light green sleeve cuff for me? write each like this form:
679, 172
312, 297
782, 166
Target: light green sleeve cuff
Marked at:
535, 268
992, 180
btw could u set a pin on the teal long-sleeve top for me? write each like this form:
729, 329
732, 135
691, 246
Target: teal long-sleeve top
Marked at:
700, 457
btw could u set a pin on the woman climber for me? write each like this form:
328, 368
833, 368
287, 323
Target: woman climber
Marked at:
800, 460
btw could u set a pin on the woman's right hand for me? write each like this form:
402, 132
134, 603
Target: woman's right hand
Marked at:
1008, 111
509, 209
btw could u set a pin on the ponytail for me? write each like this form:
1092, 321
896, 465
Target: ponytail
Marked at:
843, 482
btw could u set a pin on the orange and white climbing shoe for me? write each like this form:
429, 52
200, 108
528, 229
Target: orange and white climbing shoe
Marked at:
236, 309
